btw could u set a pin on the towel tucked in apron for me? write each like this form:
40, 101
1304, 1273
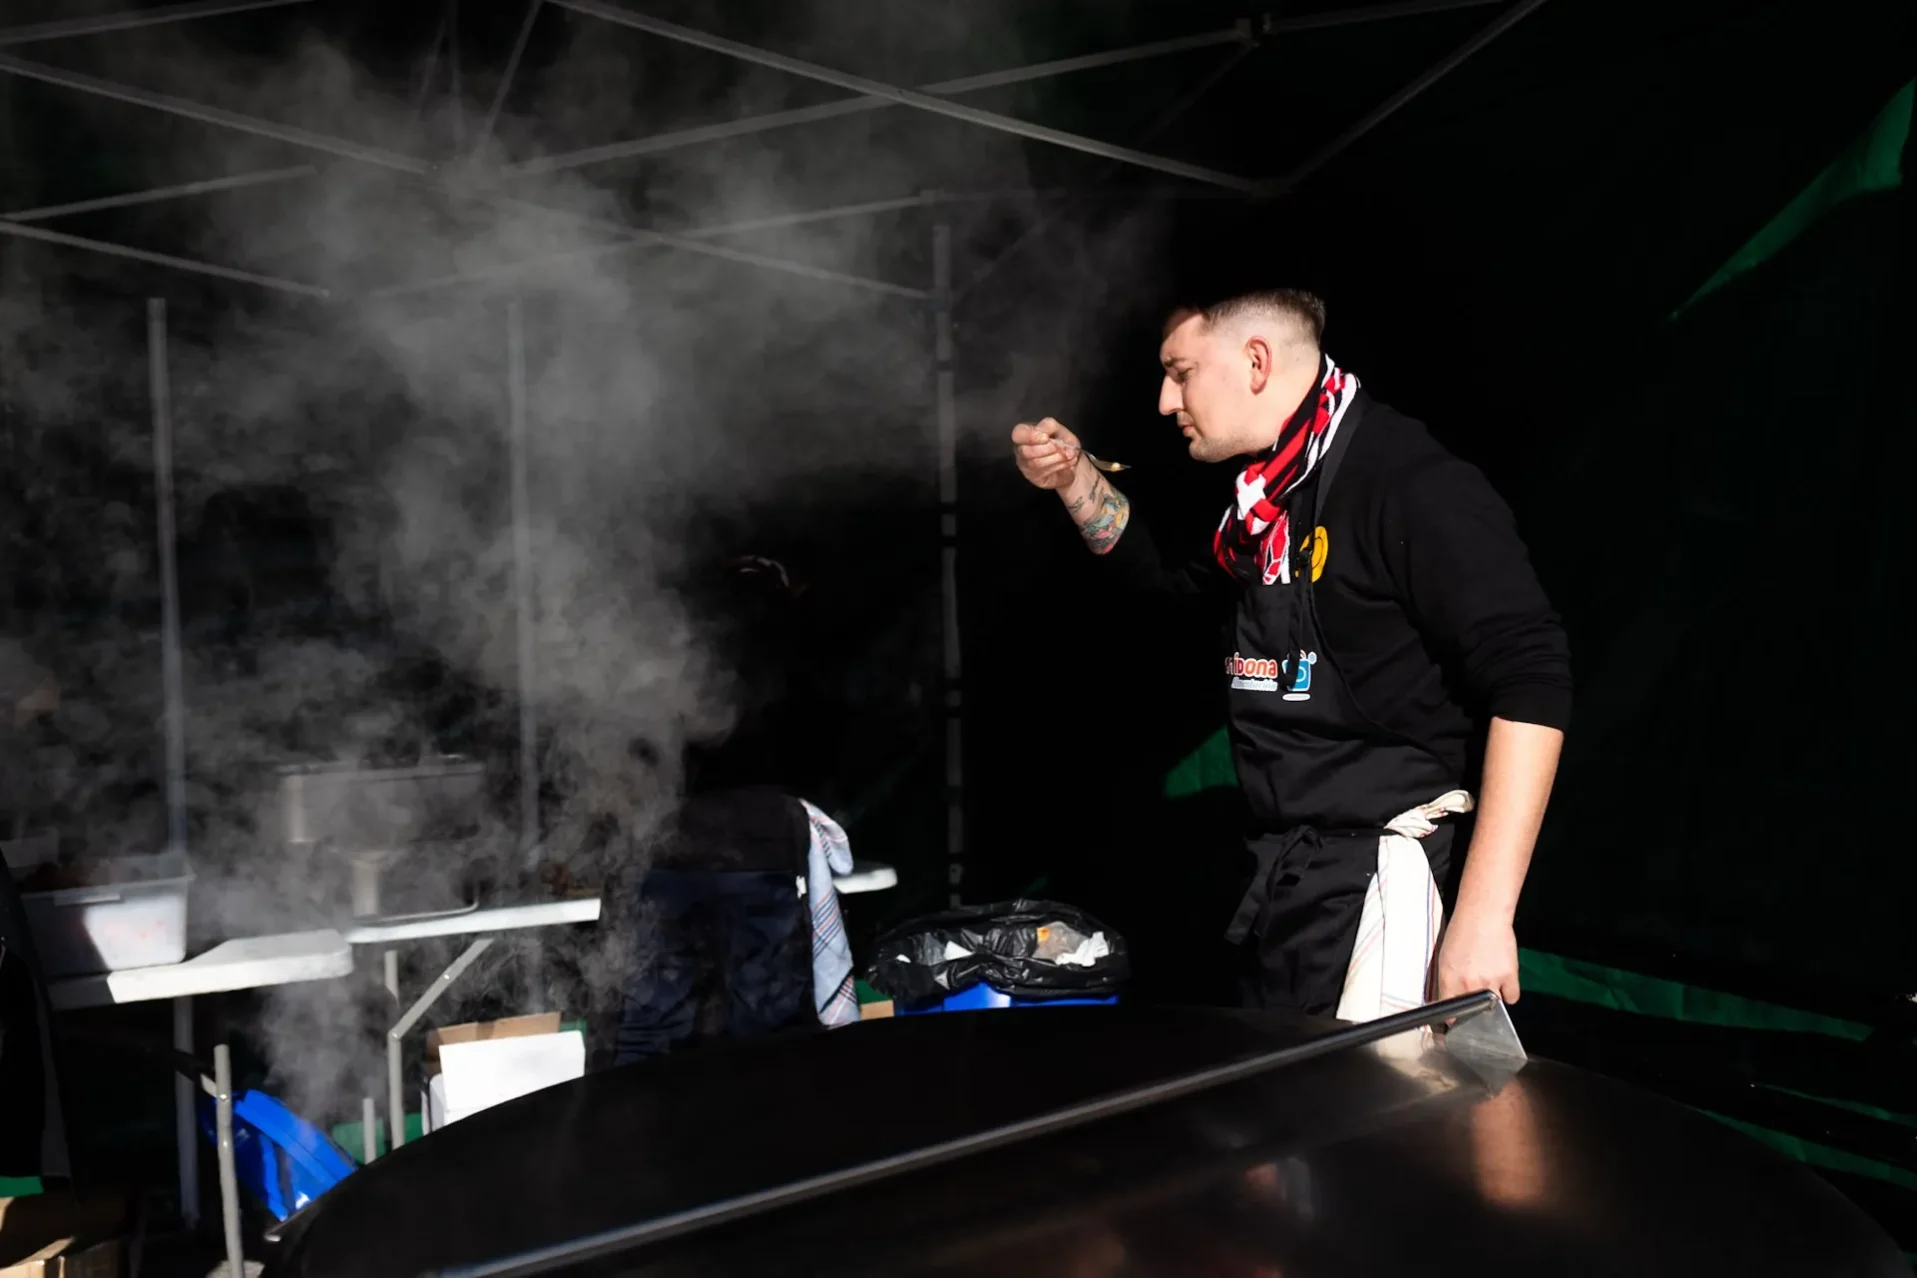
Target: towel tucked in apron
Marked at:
1402, 918
1345, 922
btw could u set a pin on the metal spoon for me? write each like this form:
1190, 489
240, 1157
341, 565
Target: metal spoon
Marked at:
1109, 467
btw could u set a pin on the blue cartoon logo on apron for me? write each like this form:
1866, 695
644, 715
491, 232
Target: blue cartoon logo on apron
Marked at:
1301, 676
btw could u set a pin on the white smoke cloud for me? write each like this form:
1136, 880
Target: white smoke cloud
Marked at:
666, 392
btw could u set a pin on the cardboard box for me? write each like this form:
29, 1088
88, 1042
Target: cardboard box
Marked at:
484, 1031
64, 1234
476, 1066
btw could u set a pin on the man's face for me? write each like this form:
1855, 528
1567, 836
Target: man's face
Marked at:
1207, 387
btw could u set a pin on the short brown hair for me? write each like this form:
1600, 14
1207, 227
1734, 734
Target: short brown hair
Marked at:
1306, 308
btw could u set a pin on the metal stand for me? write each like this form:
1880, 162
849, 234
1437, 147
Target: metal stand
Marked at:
395, 1082
229, 1177
186, 1139
389, 970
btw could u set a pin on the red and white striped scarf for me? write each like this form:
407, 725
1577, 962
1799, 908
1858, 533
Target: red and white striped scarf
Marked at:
1253, 542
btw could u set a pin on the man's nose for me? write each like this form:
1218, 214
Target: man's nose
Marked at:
1168, 401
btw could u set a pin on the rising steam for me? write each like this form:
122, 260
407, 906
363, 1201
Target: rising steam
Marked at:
670, 395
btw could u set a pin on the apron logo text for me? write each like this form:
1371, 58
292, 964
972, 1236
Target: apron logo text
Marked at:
1262, 674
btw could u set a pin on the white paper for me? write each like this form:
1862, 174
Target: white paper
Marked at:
478, 1075
1089, 951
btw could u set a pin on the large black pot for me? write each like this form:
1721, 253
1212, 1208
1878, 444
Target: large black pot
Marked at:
1346, 1163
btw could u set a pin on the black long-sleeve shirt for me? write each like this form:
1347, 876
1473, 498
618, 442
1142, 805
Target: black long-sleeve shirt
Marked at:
1424, 620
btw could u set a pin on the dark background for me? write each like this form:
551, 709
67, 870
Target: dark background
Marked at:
1714, 502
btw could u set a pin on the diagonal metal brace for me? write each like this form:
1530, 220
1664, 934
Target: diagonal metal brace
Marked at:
904, 97
131, 18
395, 1084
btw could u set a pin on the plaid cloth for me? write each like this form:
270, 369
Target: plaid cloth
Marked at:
830, 853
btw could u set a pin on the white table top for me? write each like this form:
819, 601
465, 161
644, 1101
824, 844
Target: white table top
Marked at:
249, 963
258, 961
866, 876
505, 918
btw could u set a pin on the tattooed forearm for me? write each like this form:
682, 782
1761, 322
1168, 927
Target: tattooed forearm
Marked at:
1101, 515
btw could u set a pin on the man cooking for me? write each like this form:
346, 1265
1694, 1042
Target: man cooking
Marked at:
1387, 628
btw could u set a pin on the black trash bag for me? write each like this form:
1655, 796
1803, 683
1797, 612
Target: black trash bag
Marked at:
1013, 946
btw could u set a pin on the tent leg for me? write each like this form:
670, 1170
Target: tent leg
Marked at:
948, 552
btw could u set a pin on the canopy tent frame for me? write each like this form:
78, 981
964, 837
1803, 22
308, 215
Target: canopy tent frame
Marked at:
870, 95
940, 296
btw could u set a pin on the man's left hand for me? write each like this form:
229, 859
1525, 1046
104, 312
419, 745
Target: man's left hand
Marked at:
1478, 955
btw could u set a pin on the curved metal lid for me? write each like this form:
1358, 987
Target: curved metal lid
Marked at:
1347, 1163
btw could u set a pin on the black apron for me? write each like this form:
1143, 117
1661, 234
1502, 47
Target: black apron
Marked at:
1337, 775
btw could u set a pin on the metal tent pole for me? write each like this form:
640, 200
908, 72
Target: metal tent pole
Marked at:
506, 81
135, 96
904, 97
130, 18
236, 182
1274, 25
172, 673
700, 134
48, 236
522, 575
432, 67
1165, 120
172, 683
632, 237
1389, 107
948, 554
456, 89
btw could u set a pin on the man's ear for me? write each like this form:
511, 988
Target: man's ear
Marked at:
1258, 352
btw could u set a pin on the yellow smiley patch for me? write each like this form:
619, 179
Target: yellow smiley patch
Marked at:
1320, 547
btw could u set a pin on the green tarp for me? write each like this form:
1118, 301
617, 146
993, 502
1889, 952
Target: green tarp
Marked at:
1874, 162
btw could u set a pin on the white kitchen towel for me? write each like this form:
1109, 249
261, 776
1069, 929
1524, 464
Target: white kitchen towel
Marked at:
1401, 920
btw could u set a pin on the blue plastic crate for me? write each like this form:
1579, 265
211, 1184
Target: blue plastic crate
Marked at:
283, 1159
984, 997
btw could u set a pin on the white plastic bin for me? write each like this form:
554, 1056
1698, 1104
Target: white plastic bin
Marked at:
135, 917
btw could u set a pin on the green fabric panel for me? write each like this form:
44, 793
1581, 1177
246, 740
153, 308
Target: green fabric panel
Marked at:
1855, 1107
1816, 1155
346, 1136
20, 1186
1584, 982
1209, 767
1874, 162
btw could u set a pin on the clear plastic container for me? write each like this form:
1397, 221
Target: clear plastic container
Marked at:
134, 917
